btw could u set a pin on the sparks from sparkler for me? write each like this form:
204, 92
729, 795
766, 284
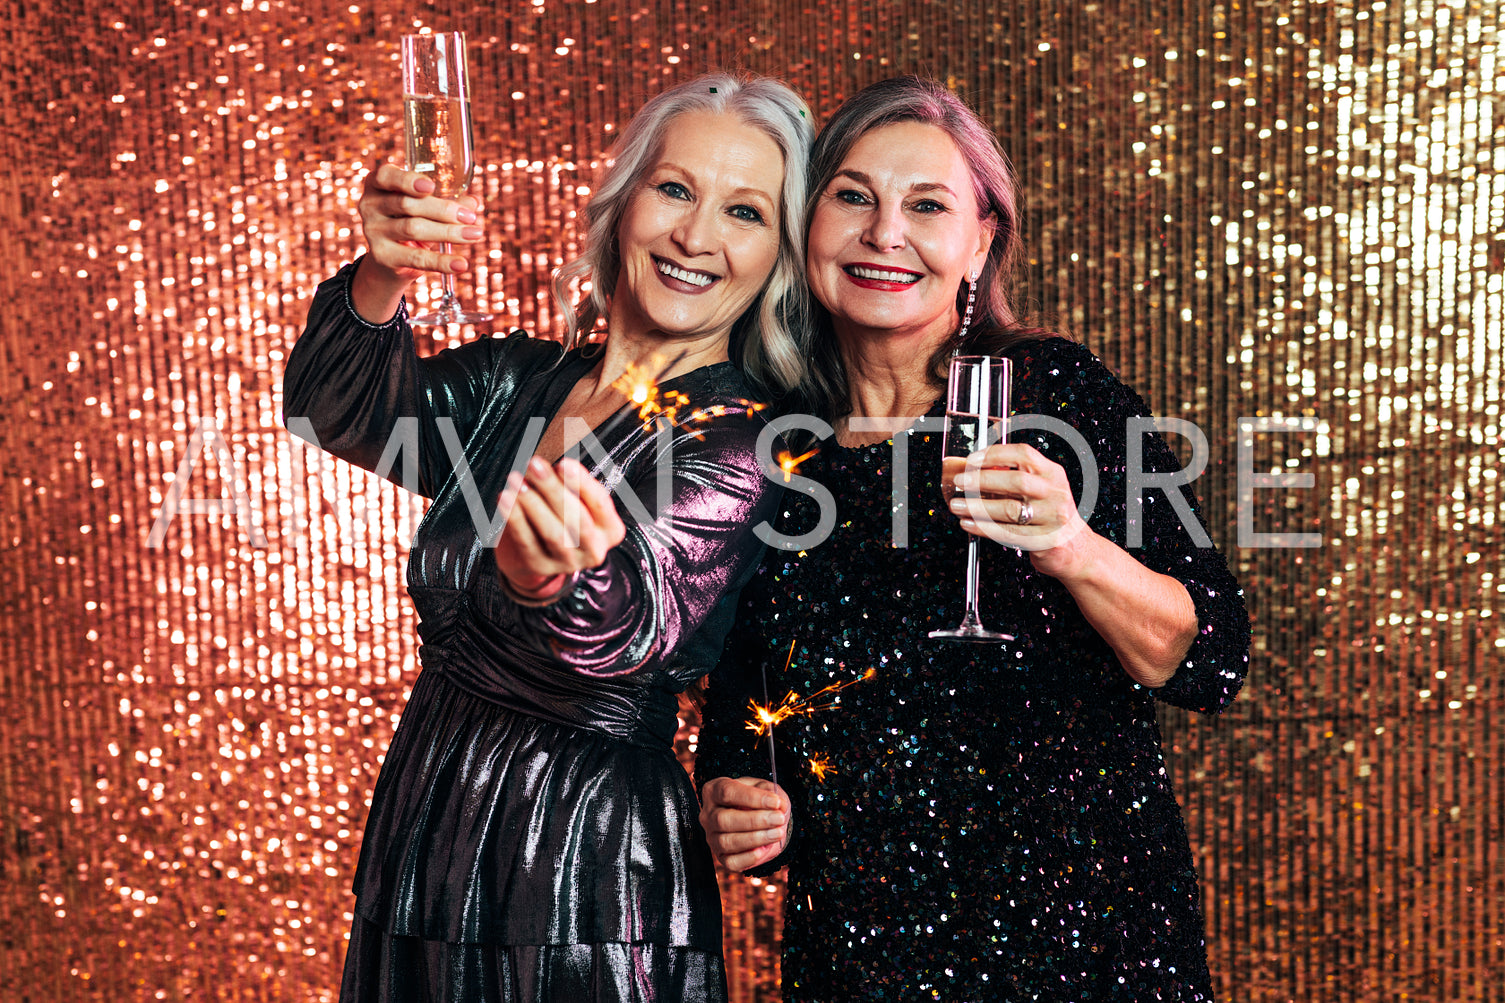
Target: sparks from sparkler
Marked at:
640, 385
789, 464
766, 716
820, 766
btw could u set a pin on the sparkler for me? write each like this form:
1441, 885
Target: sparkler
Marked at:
789, 464
641, 390
650, 402
765, 716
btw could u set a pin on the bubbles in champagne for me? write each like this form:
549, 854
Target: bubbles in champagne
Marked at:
438, 141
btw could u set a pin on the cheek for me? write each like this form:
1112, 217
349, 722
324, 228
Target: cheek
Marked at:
757, 258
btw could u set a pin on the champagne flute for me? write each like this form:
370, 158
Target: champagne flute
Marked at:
977, 408
436, 124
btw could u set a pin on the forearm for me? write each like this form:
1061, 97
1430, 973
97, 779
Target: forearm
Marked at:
1147, 618
376, 291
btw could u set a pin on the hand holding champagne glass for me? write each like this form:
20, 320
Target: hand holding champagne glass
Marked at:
977, 408
436, 124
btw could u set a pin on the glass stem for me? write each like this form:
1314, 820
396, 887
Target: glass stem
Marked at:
447, 283
971, 615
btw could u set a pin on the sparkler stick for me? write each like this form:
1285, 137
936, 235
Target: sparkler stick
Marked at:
765, 716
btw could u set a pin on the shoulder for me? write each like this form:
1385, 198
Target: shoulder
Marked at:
1055, 375
517, 351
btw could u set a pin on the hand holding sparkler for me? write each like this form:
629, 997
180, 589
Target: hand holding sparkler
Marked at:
747, 820
559, 520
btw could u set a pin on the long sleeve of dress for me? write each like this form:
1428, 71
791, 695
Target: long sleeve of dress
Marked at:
681, 553
1174, 539
366, 394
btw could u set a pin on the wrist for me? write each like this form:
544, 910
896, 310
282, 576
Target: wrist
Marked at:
536, 590
1074, 559
375, 291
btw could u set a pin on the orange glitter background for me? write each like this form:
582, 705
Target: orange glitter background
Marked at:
1286, 210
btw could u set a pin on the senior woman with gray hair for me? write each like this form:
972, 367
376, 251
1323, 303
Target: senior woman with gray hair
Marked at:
532, 836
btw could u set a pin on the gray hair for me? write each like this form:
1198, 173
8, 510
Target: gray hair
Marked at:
768, 340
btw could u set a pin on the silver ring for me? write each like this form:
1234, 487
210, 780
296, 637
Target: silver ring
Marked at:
1026, 513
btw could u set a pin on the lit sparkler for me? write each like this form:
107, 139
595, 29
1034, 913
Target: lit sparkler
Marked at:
650, 402
820, 766
789, 464
765, 716
640, 386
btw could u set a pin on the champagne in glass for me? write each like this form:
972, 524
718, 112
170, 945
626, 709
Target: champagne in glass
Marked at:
977, 407
436, 124
438, 141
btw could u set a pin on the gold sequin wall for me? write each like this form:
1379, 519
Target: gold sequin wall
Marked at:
1285, 212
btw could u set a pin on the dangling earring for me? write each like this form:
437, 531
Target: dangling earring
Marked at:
961, 332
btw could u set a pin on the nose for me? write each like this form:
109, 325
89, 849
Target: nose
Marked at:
695, 232
885, 228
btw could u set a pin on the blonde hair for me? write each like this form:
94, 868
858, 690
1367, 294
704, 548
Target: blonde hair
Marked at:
768, 340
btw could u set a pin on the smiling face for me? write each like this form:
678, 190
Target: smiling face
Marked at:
700, 235
893, 235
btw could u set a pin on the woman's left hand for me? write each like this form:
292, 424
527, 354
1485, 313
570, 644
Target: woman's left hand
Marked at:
1011, 494
559, 520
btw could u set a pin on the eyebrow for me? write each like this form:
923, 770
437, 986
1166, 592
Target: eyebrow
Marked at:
743, 192
919, 186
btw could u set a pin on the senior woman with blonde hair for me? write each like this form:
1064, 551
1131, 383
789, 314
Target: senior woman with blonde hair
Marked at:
532, 836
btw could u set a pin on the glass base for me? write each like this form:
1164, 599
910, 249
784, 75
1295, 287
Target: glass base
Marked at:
441, 318
971, 629
979, 634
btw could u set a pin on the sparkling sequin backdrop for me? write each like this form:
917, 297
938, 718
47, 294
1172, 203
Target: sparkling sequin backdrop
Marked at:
1274, 210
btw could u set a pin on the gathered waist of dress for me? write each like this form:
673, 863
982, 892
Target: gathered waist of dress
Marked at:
630, 710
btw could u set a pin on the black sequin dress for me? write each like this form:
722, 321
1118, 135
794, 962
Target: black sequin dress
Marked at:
532, 835
995, 821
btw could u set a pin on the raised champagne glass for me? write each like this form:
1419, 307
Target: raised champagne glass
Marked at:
977, 409
436, 124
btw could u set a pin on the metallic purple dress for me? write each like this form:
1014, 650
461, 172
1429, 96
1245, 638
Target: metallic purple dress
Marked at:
531, 835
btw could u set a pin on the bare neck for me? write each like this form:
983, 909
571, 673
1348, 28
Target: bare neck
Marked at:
889, 383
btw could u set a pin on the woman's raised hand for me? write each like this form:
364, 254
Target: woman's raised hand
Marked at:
559, 520
746, 820
400, 216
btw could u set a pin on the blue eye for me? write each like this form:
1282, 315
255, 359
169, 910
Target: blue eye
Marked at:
674, 190
928, 206
850, 196
746, 213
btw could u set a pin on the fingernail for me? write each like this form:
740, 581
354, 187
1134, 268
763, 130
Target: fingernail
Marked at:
471, 233
423, 185
964, 481
957, 505
537, 466
770, 802
459, 265
464, 215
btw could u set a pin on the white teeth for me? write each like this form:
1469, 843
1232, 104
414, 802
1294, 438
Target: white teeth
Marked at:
694, 278
882, 275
